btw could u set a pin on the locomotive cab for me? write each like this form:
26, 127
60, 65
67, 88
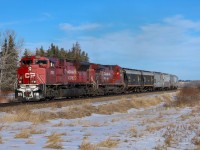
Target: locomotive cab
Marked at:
31, 78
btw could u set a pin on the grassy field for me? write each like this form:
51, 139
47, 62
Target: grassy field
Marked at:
149, 121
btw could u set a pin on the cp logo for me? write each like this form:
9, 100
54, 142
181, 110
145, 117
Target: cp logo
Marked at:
29, 75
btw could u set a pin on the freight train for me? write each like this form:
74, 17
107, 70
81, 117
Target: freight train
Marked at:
44, 78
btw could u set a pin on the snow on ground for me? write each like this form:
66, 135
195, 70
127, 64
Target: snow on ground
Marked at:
154, 127
73, 106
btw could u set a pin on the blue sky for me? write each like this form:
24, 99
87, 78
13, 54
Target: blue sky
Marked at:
151, 35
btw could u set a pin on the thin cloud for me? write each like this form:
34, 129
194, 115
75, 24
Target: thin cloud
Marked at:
181, 22
70, 27
43, 17
47, 15
4, 24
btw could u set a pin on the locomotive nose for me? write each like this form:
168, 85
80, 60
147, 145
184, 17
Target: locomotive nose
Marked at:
28, 91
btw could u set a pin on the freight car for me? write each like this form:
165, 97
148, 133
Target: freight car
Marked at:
48, 78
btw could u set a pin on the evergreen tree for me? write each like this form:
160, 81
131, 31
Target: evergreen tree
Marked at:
41, 51
26, 53
4, 54
87, 58
57, 51
83, 56
37, 52
10, 62
5, 48
75, 53
62, 54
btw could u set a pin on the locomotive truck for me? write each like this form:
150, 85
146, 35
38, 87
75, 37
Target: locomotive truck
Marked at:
42, 78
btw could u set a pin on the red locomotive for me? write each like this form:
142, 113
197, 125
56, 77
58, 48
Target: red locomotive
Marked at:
47, 78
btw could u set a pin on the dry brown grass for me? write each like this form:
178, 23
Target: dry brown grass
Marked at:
115, 119
54, 141
85, 145
35, 131
126, 104
198, 148
168, 102
108, 143
188, 96
1, 126
3, 100
133, 132
60, 124
24, 113
55, 104
25, 133
91, 124
1, 141
3, 97
87, 134
168, 140
175, 132
154, 128
30, 142
196, 141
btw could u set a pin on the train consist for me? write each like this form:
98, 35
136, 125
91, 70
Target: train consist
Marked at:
48, 78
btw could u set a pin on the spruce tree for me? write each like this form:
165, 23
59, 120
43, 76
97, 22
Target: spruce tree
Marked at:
10, 55
62, 54
41, 51
37, 52
26, 52
4, 54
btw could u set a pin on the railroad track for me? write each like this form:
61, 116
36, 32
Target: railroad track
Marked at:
95, 98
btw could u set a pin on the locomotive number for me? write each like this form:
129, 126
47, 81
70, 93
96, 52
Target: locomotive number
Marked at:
72, 78
71, 71
107, 74
29, 75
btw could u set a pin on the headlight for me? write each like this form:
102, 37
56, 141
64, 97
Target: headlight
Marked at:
29, 68
36, 94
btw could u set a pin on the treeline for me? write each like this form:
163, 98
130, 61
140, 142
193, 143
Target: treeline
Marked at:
75, 53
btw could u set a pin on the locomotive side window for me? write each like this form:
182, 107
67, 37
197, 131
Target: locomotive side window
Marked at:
40, 62
27, 62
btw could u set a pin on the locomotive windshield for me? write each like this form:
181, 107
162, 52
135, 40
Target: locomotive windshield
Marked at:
40, 62
27, 62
